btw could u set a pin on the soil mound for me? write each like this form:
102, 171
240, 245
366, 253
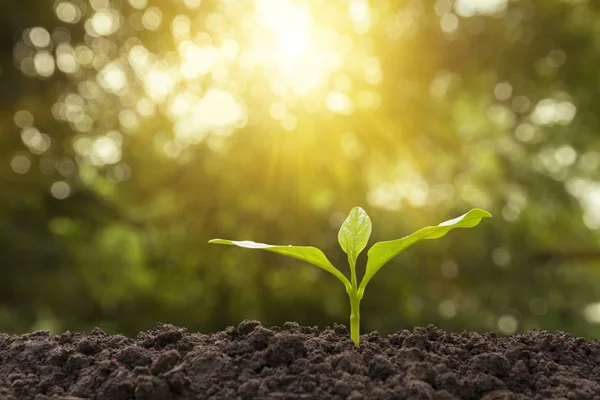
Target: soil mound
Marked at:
297, 362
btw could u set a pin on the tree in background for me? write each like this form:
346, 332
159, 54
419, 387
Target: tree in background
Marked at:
134, 131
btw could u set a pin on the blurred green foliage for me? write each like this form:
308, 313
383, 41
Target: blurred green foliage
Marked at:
132, 131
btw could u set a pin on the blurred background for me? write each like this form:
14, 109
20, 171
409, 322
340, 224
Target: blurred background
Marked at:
133, 131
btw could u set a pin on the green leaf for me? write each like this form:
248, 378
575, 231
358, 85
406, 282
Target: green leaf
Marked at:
383, 252
309, 254
354, 233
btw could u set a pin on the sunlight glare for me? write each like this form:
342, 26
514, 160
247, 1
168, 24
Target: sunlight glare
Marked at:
291, 24
286, 50
302, 53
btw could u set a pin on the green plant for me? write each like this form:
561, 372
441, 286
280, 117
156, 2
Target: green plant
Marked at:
353, 237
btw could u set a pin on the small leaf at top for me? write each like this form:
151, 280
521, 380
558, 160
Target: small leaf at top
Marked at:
354, 233
309, 254
383, 252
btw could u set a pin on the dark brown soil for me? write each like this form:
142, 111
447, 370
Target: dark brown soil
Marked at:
295, 362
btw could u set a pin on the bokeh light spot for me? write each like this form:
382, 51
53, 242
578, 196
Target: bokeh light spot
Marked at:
159, 84
360, 14
591, 313
181, 27
447, 309
449, 23
105, 150
192, 3
113, 78
60, 190
23, 119
68, 12
44, 64
20, 164
218, 109
507, 324
65, 59
105, 22
449, 269
139, 4
196, 60
152, 18
277, 111
538, 306
37, 142
469, 8
289, 122
503, 91
338, 102
553, 111
501, 256
40, 37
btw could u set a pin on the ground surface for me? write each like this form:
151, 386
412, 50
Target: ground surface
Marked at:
294, 362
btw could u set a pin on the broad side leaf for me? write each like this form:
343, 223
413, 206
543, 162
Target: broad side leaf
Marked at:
309, 254
354, 233
383, 252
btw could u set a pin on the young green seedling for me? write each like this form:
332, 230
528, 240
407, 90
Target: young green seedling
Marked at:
353, 237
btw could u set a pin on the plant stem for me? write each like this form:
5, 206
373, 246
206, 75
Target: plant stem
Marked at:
352, 263
354, 316
354, 303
